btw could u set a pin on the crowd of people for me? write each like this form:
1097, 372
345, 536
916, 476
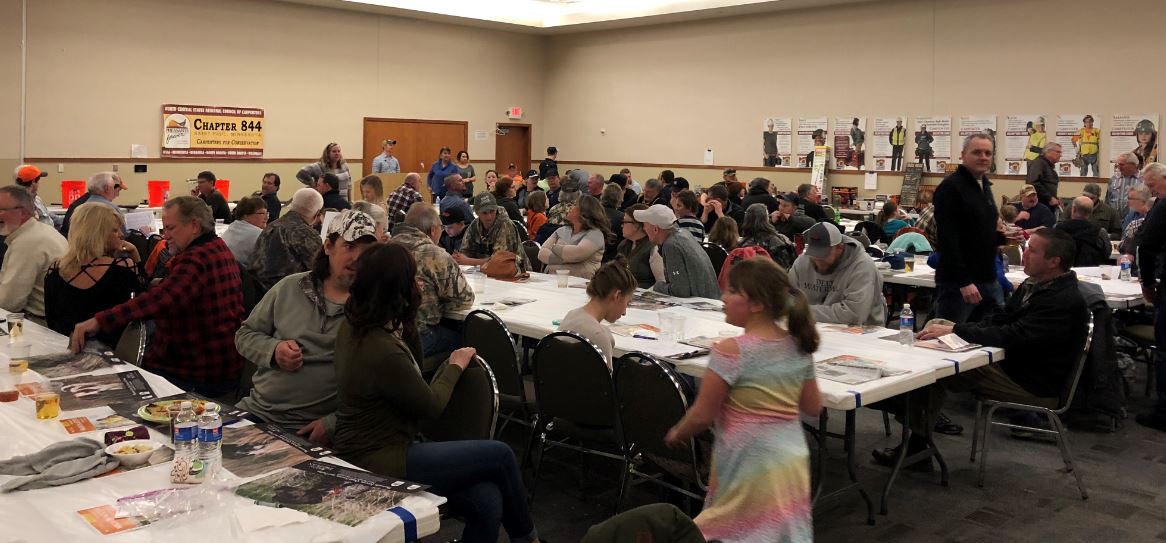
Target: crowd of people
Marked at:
345, 318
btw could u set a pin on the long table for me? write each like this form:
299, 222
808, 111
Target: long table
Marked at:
1118, 294
50, 514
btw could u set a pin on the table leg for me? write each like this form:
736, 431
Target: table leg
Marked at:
820, 473
902, 454
850, 466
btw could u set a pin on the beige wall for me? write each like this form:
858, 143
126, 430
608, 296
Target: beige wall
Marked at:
9, 84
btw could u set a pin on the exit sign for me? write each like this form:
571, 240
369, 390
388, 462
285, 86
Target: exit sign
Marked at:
514, 113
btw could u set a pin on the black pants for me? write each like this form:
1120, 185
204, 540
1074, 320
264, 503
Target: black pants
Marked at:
896, 157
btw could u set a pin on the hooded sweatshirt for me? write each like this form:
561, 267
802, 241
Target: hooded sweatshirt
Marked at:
1092, 242
852, 294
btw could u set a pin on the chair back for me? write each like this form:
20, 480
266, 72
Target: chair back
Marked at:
716, 254
140, 242
572, 382
1012, 253
830, 212
472, 410
484, 331
873, 231
652, 399
523, 235
253, 290
132, 344
1079, 368
531, 248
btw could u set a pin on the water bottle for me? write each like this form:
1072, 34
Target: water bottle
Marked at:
907, 325
1124, 274
210, 439
185, 433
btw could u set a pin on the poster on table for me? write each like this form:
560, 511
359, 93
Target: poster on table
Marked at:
1133, 133
807, 126
850, 143
776, 140
978, 124
1024, 138
888, 142
932, 137
211, 131
1080, 139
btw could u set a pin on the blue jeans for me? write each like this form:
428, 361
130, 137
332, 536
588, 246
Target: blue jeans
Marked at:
482, 480
1087, 161
950, 305
440, 339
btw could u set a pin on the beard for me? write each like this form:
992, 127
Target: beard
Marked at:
345, 280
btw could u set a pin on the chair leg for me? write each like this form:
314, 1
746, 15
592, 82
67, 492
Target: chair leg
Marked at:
1067, 453
887, 423
624, 477
976, 428
542, 439
984, 448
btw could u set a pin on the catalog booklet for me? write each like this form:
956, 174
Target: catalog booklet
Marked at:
853, 370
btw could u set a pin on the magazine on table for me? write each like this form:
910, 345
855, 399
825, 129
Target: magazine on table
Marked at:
858, 330
91, 423
950, 343
55, 366
85, 391
853, 370
255, 449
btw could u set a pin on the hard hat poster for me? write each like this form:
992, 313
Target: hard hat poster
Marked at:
211, 131
1133, 133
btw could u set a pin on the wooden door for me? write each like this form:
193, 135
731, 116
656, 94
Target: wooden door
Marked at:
418, 142
512, 146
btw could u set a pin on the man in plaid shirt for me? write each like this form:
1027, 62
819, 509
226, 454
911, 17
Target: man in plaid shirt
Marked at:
197, 308
401, 199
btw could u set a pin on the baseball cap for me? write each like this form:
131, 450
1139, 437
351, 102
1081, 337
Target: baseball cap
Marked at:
390, 141
452, 215
532, 173
789, 197
730, 171
1026, 190
658, 215
1091, 189
26, 173
820, 238
484, 203
353, 225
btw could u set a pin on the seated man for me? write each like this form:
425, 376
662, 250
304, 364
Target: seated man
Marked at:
688, 272
1093, 246
403, 198
716, 205
788, 219
210, 195
1104, 215
488, 235
443, 287
1041, 328
291, 334
839, 279
197, 308
454, 187
453, 230
33, 246
290, 243
1033, 214
329, 187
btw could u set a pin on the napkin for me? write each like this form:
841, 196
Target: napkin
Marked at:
257, 517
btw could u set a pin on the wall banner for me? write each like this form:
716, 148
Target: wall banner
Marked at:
1136, 133
978, 124
850, 143
776, 138
1080, 139
888, 142
1024, 137
806, 128
932, 139
211, 131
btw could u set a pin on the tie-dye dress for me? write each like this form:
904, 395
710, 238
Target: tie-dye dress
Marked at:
759, 488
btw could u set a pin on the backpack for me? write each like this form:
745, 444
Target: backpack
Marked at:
735, 256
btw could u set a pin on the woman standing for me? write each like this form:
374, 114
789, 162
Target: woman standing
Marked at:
578, 247
382, 399
640, 252
467, 172
438, 171
331, 161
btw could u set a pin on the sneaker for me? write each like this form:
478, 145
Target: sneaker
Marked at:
944, 425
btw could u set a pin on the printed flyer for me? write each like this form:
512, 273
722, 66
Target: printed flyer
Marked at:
888, 142
776, 138
933, 142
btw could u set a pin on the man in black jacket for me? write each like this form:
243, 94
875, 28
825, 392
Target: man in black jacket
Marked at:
1042, 174
759, 194
1150, 251
1092, 242
809, 197
329, 187
966, 224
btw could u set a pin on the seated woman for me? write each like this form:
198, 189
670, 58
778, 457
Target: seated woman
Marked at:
504, 192
372, 190
90, 277
891, 219
382, 398
642, 257
250, 220
578, 247
757, 230
724, 233
610, 290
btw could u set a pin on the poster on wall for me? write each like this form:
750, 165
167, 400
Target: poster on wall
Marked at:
211, 131
888, 142
1080, 139
850, 143
1024, 137
776, 137
932, 138
808, 128
1136, 133
979, 124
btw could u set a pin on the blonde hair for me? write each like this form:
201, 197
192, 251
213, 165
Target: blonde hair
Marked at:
90, 226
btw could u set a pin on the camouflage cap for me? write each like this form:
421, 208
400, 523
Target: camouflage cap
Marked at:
353, 225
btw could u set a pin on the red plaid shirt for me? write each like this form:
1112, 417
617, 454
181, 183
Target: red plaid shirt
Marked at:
197, 308
399, 202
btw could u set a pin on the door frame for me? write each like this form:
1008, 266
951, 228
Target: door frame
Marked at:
367, 161
529, 141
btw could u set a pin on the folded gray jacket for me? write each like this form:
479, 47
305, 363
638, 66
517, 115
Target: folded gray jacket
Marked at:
56, 465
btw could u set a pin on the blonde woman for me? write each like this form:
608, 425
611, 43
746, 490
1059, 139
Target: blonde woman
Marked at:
97, 272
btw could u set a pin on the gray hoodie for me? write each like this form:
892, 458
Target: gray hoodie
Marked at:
853, 294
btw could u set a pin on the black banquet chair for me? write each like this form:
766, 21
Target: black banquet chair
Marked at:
486, 333
716, 253
472, 411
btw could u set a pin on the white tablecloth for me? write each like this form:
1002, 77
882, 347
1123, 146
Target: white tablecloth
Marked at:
1118, 294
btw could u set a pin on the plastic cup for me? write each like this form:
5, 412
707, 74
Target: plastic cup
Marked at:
15, 327
678, 325
18, 357
908, 263
48, 401
479, 283
564, 277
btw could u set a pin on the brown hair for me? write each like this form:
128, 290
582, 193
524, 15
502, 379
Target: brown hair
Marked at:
324, 158
687, 199
724, 233
592, 216
889, 211
762, 281
615, 276
374, 181
735, 188
536, 201
502, 186
247, 206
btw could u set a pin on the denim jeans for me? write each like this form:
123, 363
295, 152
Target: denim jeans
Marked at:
1087, 161
950, 305
482, 480
440, 339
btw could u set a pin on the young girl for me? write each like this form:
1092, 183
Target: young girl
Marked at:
610, 290
536, 212
759, 487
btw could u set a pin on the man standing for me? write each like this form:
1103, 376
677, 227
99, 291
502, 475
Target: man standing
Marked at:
197, 308
549, 163
33, 246
729, 176
966, 218
1042, 174
770, 157
29, 177
269, 191
1033, 214
688, 272
898, 137
103, 187
1125, 177
838, 278
443, 287
1104, 216
206, 191
1150, 251
403, 198
386, 162
289, 244
329, 187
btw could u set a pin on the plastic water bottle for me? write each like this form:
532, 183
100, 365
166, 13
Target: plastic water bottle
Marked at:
185, 433
210, 439
1124, 274
907, 325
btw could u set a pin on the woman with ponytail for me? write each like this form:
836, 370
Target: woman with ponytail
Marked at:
610, 290
756, 386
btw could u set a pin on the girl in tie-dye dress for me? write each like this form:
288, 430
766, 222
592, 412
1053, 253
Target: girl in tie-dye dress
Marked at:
759, 488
